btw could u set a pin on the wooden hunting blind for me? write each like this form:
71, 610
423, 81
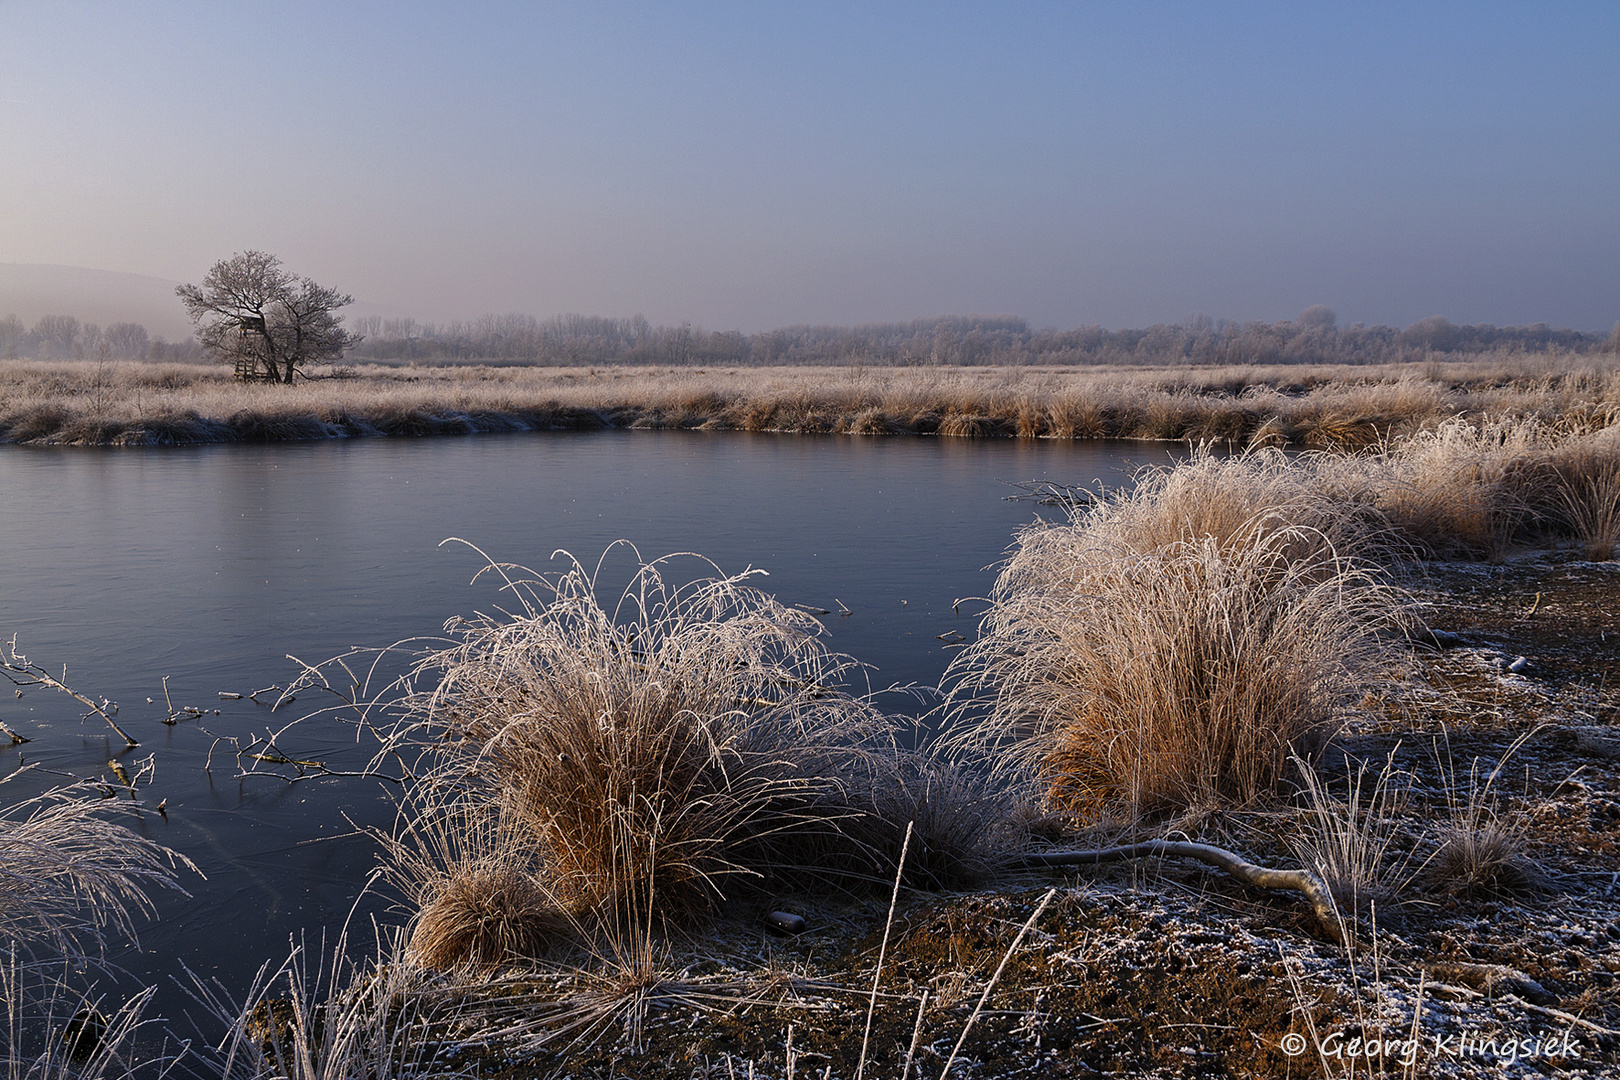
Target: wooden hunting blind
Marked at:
247, 354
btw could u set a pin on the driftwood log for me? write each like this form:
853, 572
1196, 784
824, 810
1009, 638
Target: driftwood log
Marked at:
1300, 881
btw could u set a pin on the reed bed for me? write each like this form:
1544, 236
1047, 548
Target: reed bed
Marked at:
129, 403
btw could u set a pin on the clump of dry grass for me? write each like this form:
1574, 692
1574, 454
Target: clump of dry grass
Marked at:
1482, 854
1588, 496
485, 916
1349, 841
1461, 488
644, 761
1239, 499
1480, 847
1171, 647
70, 874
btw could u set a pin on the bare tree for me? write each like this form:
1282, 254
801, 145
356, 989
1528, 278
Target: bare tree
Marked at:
270, 323
127, 340
1317, 316
56, 335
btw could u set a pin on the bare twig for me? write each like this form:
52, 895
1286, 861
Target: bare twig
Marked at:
22, 673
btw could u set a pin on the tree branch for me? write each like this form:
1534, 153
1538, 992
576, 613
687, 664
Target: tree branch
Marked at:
16, 664
1301, 881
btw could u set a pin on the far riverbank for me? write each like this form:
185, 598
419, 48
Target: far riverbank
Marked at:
84, 403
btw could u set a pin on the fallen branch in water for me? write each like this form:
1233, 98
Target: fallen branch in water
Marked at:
21, 673
1301, 881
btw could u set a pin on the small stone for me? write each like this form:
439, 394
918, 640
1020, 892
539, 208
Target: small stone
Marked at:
785, 922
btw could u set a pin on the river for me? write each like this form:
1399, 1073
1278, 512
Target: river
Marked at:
211, 565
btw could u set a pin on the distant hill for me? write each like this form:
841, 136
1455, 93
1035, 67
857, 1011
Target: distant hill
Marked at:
104, 297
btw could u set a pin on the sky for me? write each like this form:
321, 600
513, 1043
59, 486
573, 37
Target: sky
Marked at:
752, 165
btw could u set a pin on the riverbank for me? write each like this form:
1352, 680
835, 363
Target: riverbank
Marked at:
1317, 406
1459, 806
1509, 959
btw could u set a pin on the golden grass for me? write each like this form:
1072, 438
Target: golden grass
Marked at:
600, 771
1174, 647
1307, 405
1588, 493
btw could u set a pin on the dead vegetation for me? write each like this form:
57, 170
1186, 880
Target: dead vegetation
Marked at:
598, 770
1321, 406
73, 879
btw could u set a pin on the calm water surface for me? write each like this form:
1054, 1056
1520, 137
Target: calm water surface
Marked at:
212, 564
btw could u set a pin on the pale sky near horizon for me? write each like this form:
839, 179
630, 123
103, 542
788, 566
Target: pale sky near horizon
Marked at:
751, 165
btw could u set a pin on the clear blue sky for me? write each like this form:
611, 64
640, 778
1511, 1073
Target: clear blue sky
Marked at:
753, 164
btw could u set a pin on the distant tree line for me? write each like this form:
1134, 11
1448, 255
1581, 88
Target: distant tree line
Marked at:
62, 337
1314, 336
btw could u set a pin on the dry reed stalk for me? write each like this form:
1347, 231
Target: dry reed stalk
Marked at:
991, 985
883, 949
